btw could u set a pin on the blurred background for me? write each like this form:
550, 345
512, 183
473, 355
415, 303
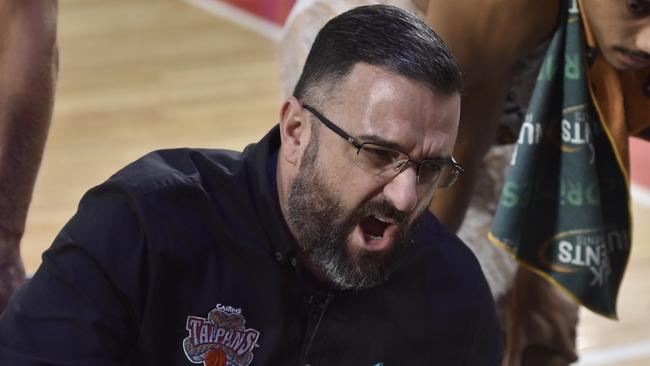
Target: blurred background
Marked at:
141, 75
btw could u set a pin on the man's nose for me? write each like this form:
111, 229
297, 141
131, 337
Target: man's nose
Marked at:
402, 190
643, 39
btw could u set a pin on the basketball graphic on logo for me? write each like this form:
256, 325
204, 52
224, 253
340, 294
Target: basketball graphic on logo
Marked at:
220, 339
215, 357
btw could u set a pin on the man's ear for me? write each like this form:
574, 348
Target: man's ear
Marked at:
294, 131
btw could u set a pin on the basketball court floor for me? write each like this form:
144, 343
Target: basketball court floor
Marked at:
140, 75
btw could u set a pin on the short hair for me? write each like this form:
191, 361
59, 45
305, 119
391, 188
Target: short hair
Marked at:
384, 36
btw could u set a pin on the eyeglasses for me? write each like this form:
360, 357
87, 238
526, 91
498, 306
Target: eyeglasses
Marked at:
387, 162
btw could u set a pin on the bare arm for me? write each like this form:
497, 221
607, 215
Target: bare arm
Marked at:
480, 112
540, 322
28, 69
487, 38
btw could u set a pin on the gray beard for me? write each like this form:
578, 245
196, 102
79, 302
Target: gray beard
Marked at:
322, 227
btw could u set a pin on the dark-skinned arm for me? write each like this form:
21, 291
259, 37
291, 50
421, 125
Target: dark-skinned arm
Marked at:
28, 70
488, 38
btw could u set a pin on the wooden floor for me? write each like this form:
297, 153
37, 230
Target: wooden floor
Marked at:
140, 75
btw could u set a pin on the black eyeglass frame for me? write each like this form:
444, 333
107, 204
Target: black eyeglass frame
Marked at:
457, 169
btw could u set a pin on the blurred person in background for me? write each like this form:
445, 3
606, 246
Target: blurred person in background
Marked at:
501, 47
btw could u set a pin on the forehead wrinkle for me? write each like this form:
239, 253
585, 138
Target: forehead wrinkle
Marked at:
395, 112
412, 136
380, 118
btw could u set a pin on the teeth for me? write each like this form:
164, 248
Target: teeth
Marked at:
372, 237
381, 219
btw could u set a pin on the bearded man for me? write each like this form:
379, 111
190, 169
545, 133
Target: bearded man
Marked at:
314, 246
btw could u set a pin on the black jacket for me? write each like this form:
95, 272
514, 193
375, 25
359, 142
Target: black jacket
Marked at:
184, 254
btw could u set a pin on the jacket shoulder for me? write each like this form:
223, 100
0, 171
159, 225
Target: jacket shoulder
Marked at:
164, 168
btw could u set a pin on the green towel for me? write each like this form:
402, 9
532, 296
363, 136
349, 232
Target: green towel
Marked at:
564, 209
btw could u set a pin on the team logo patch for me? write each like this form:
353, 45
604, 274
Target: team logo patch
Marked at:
221, 339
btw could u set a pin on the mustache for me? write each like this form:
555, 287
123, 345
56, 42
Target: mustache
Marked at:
382, 208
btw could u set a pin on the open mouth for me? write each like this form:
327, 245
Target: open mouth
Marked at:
374, 227
634, 60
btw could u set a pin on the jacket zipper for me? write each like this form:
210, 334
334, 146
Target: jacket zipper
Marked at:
317, 308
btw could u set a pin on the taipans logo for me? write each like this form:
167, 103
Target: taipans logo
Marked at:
221, 339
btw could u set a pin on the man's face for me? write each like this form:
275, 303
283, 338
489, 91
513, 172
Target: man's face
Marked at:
351, 224
622, 31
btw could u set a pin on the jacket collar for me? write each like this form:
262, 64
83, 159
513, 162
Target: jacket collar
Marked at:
260, 161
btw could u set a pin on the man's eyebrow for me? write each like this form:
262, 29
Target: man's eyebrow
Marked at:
378, 140
381, 141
